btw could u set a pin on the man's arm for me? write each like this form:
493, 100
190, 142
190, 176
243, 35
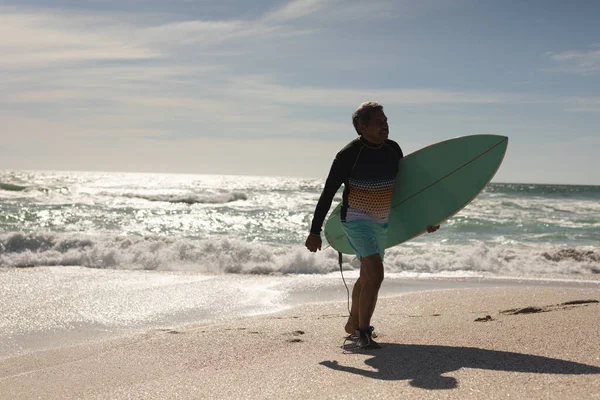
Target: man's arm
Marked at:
340, 169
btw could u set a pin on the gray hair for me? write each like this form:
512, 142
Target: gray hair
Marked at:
363, 113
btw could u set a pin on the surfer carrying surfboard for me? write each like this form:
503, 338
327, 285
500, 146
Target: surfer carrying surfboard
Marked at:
367, 167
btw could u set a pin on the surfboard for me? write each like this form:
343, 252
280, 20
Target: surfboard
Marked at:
433, 184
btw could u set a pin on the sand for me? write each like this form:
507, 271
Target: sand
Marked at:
433, 347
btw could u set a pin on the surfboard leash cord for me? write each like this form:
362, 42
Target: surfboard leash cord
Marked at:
348, 292
344, 280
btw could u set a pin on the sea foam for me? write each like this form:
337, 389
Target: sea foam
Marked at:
231, 256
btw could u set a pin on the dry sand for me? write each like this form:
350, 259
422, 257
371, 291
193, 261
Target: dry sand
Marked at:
433, 347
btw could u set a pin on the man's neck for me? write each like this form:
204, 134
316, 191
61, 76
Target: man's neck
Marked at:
369, 143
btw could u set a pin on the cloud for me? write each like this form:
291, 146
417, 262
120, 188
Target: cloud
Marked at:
86, 76
345, 11
31, 131
294, 10
257, 87
204, 33
33, 39
583, 104
579, 62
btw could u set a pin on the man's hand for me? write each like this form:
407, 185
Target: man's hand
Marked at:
313, 243
431, 229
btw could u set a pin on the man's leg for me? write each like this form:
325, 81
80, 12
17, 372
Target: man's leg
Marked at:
352, 324
371, 277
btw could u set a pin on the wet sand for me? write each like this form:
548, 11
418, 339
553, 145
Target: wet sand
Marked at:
509, 342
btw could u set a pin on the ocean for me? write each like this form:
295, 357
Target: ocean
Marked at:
107, 252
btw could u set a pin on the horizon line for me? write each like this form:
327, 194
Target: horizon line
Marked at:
252, 175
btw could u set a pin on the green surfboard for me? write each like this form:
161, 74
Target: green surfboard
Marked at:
432, 185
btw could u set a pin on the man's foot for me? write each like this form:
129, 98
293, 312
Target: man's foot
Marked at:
351, 326
365, 339
354, 333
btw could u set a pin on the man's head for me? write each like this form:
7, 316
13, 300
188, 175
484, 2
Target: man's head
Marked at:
370, 122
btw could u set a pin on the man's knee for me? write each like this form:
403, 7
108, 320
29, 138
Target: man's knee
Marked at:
372, 270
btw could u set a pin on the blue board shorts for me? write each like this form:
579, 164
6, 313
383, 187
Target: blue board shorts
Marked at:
366, 237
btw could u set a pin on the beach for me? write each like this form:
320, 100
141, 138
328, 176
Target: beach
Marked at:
156, 286
481, 343
189, 189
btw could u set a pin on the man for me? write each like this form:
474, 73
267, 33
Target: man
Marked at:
367, 167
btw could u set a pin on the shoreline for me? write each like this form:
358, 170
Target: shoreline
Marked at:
432, 347
317, 290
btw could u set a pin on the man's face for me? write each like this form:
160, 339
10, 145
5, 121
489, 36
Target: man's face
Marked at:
377, 130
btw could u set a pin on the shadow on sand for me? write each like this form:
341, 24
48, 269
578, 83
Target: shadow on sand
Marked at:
424, 365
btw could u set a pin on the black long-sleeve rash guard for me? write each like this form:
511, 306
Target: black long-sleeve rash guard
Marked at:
368, 172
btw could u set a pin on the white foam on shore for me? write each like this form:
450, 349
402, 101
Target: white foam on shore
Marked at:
42, 302
46, 306
163, 253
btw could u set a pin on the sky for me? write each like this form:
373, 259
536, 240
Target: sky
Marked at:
268, 87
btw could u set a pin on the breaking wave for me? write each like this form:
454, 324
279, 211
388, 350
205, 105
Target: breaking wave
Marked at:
191, 198
41, 190
19, 250
9, 187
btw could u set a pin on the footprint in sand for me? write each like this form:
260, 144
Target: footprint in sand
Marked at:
555, 307
296, 339
487, 318
534, 310
171, 331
